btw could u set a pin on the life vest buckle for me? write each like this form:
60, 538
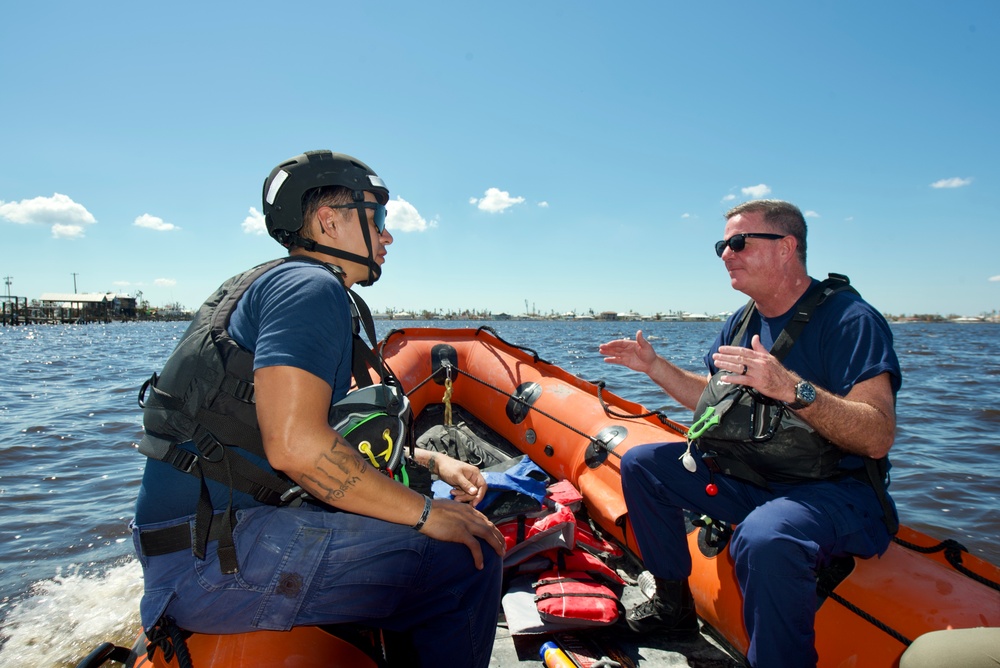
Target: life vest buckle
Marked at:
244, 391
182, 460
294, 497
209, 446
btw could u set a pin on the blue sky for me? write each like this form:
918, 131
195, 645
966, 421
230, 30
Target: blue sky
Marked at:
571, 155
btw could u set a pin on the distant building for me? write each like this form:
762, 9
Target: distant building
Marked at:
88, 306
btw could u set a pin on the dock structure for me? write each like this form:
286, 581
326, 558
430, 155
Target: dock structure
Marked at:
13, 310
56, 308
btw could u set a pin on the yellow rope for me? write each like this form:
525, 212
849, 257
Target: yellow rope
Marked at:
447, 401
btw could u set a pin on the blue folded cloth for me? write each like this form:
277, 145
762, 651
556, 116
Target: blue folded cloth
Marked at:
518, 485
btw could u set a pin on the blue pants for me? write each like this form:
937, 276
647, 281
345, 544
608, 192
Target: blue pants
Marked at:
304, 566
782, 537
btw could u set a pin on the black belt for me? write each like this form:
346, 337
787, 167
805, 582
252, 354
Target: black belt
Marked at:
155, 542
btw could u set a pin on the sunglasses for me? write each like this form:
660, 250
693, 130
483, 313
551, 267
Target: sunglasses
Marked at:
739, 241
379, 209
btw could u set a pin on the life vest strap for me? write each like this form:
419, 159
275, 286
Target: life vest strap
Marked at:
156, 542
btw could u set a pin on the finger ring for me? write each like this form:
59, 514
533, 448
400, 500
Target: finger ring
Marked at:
744, 372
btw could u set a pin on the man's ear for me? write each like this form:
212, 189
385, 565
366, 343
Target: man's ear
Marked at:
789, 244
327, 222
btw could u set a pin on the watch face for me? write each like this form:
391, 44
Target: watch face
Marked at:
805, 393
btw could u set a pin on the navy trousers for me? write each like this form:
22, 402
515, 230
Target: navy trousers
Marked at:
303, 566
783, 536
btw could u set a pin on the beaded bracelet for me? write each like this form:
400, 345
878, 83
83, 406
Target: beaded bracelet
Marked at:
423, 516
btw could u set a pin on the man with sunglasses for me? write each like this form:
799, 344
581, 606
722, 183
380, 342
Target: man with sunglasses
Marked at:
840, 377
297, 528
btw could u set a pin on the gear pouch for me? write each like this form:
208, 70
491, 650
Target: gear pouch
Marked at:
375, 420
744, 434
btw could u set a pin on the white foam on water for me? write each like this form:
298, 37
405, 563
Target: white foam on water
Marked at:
61, 620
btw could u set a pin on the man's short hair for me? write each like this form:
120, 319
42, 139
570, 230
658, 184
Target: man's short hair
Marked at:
783, 217
323, 196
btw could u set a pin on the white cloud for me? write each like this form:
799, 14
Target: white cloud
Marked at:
402, 216
496, 201
66, 217
953, 182
543, 205
254, 223
165, 282
60, 231
995, 279
685, 215
154, 223
810, 214
757, 191
729, 198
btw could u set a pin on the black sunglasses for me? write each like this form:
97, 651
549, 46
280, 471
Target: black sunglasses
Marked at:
379, 209
739, 241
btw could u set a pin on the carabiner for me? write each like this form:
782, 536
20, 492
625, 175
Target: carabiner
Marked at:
707, 420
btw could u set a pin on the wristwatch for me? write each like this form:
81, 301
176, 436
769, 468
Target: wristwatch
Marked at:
805, 394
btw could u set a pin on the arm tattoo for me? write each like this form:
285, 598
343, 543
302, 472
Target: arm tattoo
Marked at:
432, 463
337, 472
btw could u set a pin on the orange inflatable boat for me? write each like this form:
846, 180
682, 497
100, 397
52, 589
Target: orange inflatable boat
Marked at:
578, 431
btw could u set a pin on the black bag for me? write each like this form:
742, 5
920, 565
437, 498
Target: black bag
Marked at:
375, 420
462, 443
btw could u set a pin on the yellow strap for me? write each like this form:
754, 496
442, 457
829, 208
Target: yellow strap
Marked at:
447, 401
366, 448
387, 453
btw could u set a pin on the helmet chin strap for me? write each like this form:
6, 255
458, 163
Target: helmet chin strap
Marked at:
374, 270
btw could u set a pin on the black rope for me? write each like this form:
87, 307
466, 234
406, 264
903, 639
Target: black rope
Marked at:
869, 618
421, 384
592, 439
667, 422
953, 555
534, 355
171, 639
177, 635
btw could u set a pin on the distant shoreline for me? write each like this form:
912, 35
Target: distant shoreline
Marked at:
901, 320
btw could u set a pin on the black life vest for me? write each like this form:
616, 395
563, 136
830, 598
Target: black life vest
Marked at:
205, 394
746, 435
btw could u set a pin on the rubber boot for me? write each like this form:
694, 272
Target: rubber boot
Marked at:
670, 612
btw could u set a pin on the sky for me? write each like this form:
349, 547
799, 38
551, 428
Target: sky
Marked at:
542, 156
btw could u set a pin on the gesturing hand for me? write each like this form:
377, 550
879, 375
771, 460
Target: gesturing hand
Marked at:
637, 355
756, 367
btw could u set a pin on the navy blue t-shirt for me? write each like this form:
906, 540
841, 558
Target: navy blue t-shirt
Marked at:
846, 341
297, 314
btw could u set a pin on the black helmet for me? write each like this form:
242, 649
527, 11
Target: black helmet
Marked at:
289, 181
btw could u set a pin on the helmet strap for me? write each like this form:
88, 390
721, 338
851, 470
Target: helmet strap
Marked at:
374, 271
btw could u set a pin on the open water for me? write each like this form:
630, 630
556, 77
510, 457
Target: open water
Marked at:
69, 470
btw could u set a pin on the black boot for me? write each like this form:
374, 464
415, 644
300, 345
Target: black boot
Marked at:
669, 613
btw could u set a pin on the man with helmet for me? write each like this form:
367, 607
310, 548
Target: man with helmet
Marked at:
265, 517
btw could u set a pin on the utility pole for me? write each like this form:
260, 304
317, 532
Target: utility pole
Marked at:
74, 282
7, 280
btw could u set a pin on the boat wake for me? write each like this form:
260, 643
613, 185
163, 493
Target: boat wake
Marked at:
60, 620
